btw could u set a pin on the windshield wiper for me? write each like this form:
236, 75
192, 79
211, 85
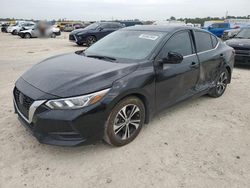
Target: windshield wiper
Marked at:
102, 57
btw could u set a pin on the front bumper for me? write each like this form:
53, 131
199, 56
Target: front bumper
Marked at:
58, 33
242, 58
77, 39
65, 127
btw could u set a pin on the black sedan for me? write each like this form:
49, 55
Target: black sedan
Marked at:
115, 86
241, 44
94, 32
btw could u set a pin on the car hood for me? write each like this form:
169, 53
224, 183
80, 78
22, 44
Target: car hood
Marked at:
82, 30
243, 43
77, 31
71, 74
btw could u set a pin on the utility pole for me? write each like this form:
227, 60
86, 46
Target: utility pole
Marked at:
226, 14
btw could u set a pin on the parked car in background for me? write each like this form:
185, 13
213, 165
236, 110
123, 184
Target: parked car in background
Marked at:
206, 24
94, 32
35, 32
73, 26
62, 24
19, 26
241, 45
130, 23
56, 30
116, 85
4, 27
170, 23
218, 28
227, 34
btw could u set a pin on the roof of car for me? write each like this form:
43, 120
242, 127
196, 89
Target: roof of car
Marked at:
161, 28
108, 22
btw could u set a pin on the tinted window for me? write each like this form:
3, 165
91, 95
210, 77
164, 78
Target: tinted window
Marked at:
215, 25
115, 26
203, 41
214, 41
244, 33
220, 25
106, 26
179, 43
223, 25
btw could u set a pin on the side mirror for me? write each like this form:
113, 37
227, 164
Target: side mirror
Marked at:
172, 58
100, 28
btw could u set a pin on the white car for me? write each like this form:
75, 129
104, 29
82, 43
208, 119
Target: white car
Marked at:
20, 25
227, 34
34, 32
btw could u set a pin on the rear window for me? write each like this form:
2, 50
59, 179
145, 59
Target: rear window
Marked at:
220, 25
203, 41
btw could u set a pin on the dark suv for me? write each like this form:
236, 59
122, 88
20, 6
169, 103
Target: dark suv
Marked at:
92, 33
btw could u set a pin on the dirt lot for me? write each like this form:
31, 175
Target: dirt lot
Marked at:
203, 142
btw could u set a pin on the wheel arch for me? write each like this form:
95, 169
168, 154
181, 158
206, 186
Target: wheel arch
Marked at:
229, 73
140, 96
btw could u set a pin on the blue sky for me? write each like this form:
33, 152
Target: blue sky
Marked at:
121, 9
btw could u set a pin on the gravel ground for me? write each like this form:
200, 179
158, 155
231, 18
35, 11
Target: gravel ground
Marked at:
202, 142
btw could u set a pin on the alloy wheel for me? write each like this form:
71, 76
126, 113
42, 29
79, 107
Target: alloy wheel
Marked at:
127, 121
222, 83
91, 40
27, 36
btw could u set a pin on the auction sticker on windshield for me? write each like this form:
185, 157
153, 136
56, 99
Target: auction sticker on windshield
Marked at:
149, 37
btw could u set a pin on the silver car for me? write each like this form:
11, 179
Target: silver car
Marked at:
35, 32
19, 26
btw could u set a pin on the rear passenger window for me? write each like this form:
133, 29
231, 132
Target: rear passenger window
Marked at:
179, 43
214, 41
203, 41
115, 26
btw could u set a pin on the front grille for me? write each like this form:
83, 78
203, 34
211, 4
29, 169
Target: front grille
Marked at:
23, 102
71, 37
241, 48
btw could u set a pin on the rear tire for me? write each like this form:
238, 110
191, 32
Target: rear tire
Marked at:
125, 122
53, 35
221, 84
27, 36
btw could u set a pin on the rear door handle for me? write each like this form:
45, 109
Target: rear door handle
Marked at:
194, 65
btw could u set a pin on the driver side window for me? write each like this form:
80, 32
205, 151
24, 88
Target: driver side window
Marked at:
178, 43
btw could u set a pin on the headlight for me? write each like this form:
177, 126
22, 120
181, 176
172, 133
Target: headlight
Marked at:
76, 102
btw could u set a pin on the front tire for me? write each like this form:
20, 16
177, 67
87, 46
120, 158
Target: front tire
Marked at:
221, 84
90, 40
27, 36
125, 122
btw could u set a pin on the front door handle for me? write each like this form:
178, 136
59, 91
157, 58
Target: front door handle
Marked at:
194, 65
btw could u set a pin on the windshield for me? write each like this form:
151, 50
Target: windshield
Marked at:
244, 33
92, 26
136, 45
